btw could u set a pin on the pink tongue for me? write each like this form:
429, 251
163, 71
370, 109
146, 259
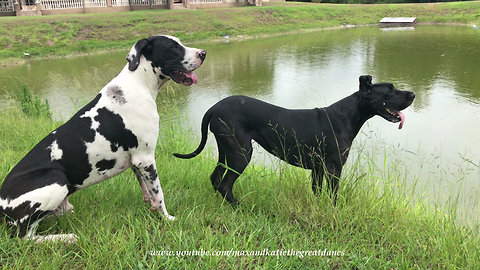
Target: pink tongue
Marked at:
402, 119
192, 76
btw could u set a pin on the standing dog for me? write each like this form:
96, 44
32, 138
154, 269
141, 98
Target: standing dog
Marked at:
115, 131
318, 139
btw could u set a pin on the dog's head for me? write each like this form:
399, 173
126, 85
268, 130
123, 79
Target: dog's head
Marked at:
169, 57
385, 100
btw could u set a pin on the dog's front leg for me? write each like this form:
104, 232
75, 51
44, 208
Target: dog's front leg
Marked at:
334, 170
143, 186
147, 170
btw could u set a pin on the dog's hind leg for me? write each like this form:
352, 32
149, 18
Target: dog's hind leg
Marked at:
238, 152
219, 170
218, 173
64, 207
32, 228
143, 186
29, 209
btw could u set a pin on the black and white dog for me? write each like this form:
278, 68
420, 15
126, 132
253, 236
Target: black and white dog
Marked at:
117, 130
317, 139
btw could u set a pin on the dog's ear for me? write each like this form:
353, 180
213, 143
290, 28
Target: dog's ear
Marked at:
133, 57
365, 83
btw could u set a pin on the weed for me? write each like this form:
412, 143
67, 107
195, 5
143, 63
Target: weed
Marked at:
31, 104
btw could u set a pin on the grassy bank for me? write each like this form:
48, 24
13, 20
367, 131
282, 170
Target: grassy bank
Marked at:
85, 33
371, 227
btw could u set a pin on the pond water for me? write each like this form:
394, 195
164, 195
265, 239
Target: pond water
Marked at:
438, 149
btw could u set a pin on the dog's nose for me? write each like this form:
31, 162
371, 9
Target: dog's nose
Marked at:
202, 54
411, 96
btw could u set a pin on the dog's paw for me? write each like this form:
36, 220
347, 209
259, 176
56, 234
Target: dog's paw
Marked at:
65, 238
168, 217
70, 238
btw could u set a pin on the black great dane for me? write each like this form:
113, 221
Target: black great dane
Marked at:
117, 130
317, 139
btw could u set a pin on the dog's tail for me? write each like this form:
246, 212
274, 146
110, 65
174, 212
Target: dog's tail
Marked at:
205, 122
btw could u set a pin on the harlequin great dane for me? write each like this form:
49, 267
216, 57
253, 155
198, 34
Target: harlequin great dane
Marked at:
117, 130
317, 139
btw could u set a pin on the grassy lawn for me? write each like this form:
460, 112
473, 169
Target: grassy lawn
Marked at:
373, 226
61, 35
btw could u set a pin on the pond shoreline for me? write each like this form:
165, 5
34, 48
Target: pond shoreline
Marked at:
21, 61
47, 37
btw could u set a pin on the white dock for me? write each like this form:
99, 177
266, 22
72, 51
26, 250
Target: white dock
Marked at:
398, 21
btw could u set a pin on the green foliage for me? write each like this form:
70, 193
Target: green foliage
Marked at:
31, 104
375, 222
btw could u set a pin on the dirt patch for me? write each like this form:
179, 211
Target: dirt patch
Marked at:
83, 34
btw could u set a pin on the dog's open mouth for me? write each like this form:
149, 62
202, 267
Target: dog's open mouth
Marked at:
185, 78
395, 117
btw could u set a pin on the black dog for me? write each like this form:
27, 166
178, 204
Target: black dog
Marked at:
317, 139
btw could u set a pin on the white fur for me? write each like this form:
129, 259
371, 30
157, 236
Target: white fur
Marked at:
49, 197
55, 152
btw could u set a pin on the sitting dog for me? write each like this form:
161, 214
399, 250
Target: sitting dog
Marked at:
117, 130
317, 139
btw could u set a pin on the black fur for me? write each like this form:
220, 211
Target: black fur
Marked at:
317, 139
113, 129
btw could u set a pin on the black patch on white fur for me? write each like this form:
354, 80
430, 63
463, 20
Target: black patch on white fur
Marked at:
113, 129
36, 170
151, 172
106, 164
72, 138
165, 53
19, 212
27, 174
116, 93
153, 68
134, 59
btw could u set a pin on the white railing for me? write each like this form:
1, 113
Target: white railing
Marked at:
95, 3
139, 2
61, 4
120, 3
147, 2
205, 1
6, 6
159, 2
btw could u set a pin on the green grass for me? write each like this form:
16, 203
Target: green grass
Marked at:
60, 35
375, 224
